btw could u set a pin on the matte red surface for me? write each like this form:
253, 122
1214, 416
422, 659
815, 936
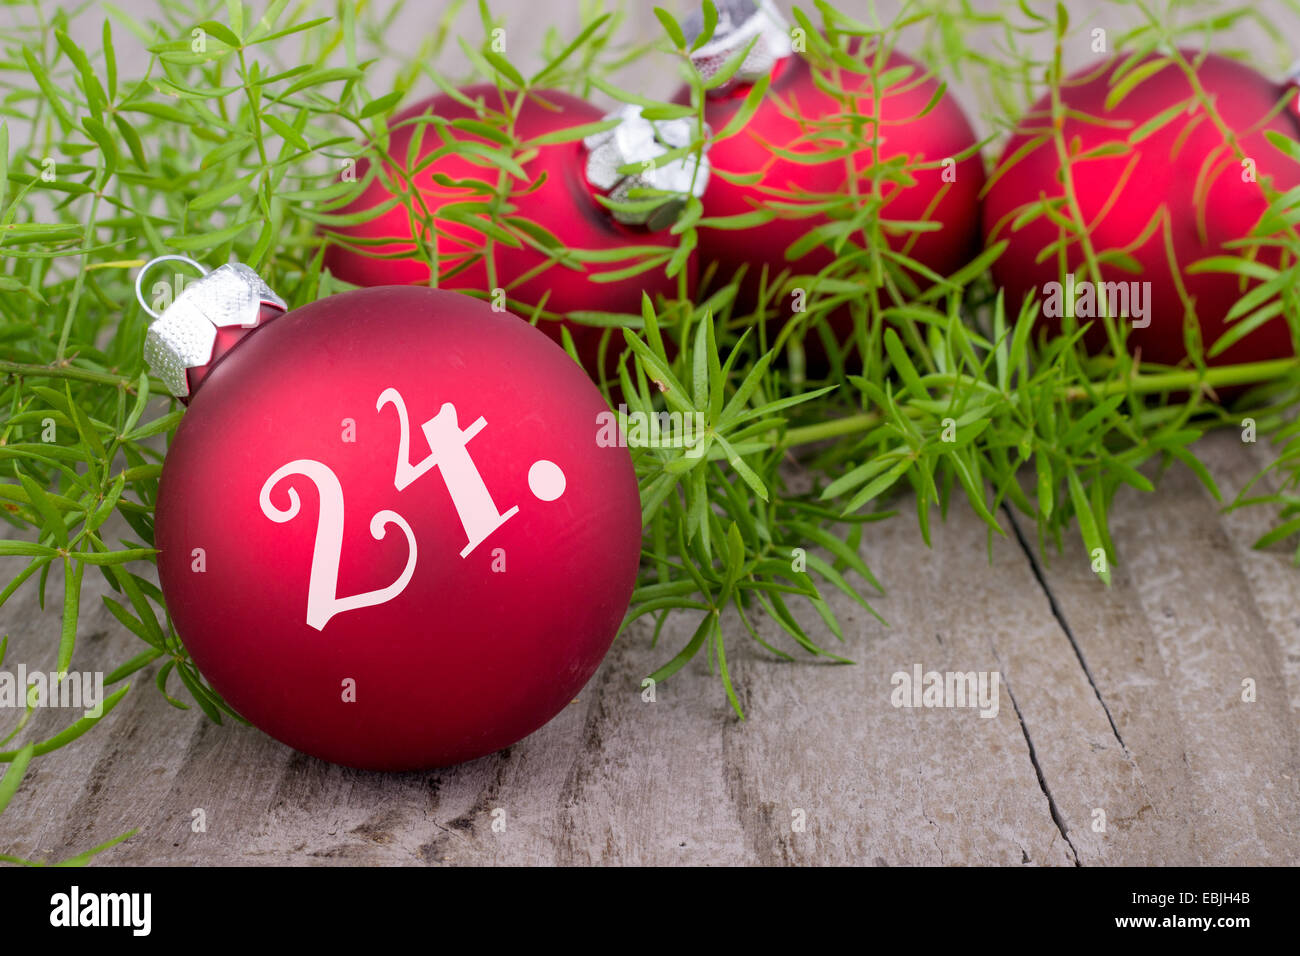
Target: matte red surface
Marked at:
557, 197
793, 100
466, 660
1164, 176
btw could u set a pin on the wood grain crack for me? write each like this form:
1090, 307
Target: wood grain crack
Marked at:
1042, 781
1057, 613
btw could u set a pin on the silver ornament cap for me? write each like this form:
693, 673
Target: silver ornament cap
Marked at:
739, 22
637, 140
183, 335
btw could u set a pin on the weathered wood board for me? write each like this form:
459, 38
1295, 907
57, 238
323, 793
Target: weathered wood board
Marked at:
1124, 702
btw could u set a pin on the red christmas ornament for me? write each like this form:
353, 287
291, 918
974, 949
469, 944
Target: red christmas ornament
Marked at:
1181, 181
560, 196
947, 194
388, 532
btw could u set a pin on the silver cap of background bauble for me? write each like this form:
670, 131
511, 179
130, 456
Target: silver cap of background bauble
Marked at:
637, 140
739, 22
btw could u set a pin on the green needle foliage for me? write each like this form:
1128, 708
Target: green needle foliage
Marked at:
226, 140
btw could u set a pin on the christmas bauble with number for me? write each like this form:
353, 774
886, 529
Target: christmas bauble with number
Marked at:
1159, 187
540, 251
922, 132
389, 535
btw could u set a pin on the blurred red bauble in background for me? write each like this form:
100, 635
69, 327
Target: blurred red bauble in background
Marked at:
797, 115
1147, 172
388, 534
559, 196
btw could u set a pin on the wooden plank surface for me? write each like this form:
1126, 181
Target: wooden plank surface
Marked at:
1125, 701
1192, 613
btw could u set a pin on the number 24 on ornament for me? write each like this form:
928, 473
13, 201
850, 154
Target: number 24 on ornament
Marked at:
449, 452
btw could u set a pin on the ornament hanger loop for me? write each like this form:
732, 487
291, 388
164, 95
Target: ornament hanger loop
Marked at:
139, 279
